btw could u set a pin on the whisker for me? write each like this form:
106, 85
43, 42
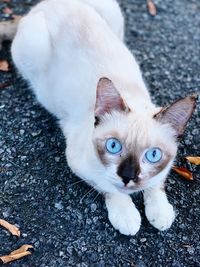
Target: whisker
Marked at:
78, 182
97, 195
91, 191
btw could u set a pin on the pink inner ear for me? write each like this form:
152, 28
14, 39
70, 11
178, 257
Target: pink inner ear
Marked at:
178, 114
108, 98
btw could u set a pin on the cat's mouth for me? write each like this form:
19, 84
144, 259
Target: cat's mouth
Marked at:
126, 190
132, 186
131, 189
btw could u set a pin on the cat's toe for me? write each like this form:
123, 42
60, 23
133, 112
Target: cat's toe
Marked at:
160, 217
127, 221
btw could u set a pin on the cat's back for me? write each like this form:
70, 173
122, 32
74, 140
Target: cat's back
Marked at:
57, 48
63, 47
78, 18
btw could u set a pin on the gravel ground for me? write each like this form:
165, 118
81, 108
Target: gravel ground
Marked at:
37, 191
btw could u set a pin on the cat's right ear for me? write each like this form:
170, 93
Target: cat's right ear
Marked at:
178, 114
107, 99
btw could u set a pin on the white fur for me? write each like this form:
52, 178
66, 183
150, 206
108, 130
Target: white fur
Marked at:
63, 47
123, 214
157, 208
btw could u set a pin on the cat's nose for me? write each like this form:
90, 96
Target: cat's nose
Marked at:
135, 179
129, 170
127, 180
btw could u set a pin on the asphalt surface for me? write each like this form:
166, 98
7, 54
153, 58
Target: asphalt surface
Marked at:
36, 191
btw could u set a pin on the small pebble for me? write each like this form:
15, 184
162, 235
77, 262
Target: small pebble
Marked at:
93, 207
22, 131
59, 205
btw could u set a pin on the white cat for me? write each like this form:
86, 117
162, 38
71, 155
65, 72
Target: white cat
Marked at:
118, 141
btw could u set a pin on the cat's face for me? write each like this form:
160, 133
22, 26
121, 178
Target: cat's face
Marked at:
137, 150
134, 150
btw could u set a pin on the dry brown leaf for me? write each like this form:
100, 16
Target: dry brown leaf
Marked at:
16, 254
13, 257
183, 172
4, 65
7, 10
10, 227
193, 160
23, 248
151, 7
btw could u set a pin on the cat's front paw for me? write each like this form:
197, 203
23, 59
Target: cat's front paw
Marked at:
123, 215
160, 216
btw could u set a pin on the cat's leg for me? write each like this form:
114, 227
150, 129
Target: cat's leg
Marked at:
159, 211
31, 47
123, 214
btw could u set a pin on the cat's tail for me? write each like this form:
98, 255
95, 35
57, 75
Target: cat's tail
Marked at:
8, 29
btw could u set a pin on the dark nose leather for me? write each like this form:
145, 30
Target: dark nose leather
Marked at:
129, 170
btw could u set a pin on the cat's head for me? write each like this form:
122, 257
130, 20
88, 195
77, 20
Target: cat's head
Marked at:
136, 149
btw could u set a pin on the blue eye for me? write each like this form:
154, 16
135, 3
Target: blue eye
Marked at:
113, 145
153, 155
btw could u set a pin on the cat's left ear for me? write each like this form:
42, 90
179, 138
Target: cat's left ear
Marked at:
107, 98
178, 114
